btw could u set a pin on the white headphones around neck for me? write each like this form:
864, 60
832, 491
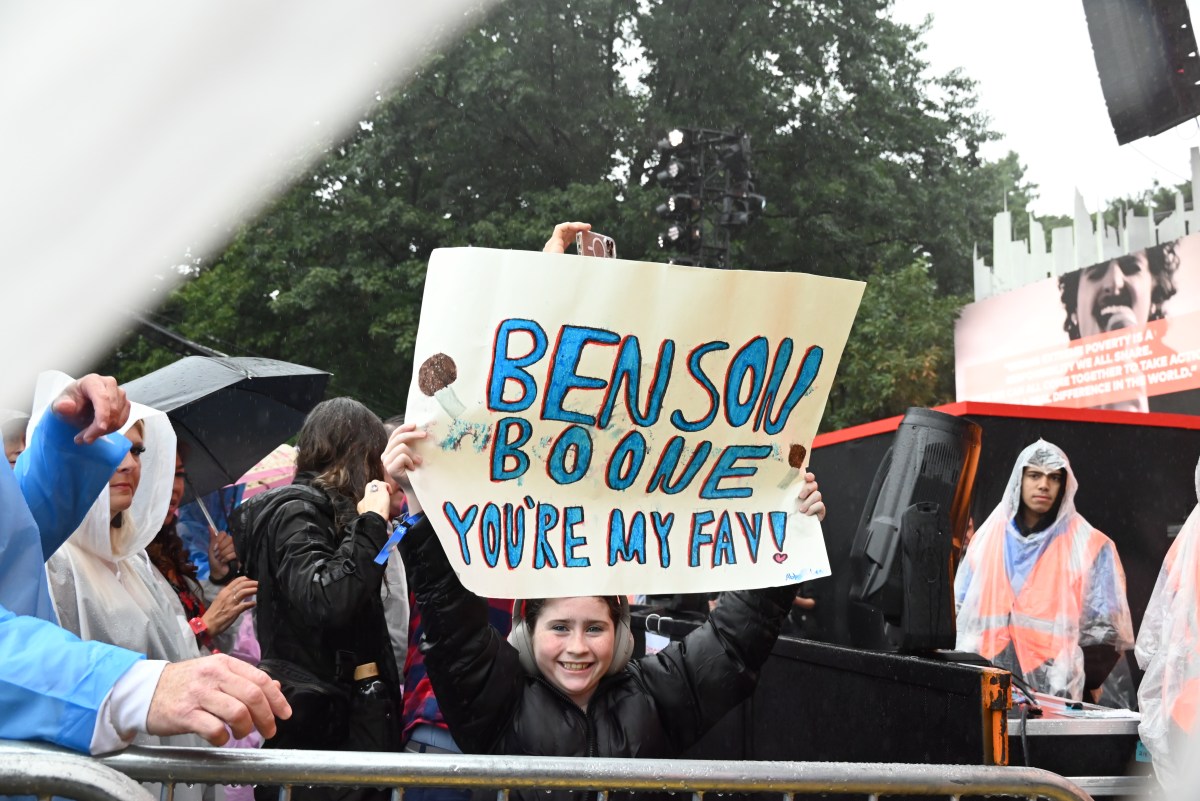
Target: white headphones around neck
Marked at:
520, 639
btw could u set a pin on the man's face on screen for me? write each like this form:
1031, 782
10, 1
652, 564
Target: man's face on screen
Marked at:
1114, 294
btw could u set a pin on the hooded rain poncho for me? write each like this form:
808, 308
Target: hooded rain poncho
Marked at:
1168, 649
101, 581
1030, 603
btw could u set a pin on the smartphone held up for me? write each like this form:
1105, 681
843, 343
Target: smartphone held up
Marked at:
590, 243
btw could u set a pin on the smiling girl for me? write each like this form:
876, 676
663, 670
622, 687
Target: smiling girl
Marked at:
564, 684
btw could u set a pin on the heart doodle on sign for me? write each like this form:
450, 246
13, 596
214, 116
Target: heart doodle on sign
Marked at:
780, 558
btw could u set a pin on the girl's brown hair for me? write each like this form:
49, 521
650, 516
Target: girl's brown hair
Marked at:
532, 608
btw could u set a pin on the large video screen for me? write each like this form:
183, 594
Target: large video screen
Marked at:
1121, 334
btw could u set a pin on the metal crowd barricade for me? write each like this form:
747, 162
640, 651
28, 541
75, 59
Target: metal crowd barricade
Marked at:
504, 773
44, 771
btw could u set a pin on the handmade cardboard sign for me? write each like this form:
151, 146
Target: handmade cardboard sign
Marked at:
611, 427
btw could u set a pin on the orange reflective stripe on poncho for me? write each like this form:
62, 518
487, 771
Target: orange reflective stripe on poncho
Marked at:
1042, 620
1183, 711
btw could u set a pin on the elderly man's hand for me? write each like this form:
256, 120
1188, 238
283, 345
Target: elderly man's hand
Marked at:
564, 236
201, 696
95, 405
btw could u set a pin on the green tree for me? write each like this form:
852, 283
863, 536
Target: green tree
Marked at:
864, 158
901, 351
1158, 201
539, 113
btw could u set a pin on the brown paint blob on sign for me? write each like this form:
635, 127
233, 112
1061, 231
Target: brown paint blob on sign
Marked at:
437, 373
796, 456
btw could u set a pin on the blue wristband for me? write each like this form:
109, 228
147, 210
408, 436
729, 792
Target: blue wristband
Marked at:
401, 529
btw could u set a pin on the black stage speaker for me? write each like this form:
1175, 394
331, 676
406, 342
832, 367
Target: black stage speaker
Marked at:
903, 556
1146, 56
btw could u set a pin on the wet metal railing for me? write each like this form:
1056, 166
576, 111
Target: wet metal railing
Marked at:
43, 771
289, 769
503, 773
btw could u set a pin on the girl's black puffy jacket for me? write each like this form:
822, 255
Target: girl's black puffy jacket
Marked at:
656, 708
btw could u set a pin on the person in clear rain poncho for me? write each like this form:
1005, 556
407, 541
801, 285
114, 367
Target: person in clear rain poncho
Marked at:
102, 583
1040, 592
1168, 649
101, 580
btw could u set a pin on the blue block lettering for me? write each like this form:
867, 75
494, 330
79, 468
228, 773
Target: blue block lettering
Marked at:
626, 461
506, 447
630, 545
462, 524
506, 368
810, 365
570, 455
778, 523
726, 467
563, 376
489, 534
573, 516
661, 478
697, 373
514, 538
627, 372
723, 549
662, 529
699, 536
547, 519
750, 360
752, 529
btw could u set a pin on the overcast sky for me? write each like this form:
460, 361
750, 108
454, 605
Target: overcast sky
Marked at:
1037, 81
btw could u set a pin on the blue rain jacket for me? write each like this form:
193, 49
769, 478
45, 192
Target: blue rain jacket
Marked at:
56, 483
51, 683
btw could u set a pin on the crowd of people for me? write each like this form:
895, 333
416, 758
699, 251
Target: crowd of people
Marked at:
115, 578
92, 695
115, 609
358, 643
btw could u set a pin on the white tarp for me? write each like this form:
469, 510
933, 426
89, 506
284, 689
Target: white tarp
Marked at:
134, 131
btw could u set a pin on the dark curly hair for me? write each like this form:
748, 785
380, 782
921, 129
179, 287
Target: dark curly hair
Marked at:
1163, 261
167, 553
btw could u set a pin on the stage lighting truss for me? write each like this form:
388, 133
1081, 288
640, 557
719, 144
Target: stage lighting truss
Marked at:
679, 207
675, 138
736, 158
740, 208
683, 237
677, 172
707, 174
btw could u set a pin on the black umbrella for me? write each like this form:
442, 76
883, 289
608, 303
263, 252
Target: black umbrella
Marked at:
231, 412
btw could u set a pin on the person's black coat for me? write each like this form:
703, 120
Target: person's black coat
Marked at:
319, 586
319, 607
656, 708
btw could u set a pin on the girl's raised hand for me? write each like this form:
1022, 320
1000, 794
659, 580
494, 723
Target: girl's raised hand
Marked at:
809, 501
